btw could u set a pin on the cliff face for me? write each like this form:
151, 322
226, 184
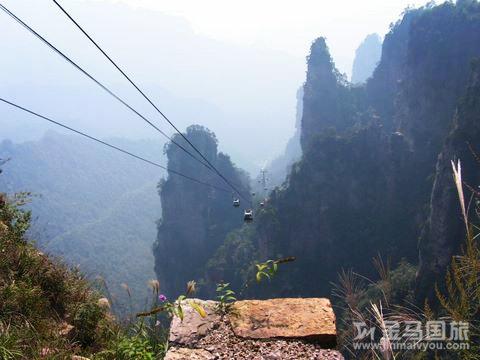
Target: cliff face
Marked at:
366, 176
442, 43
339, 210
382, 88
366, 58
414, 93
348, 199
182, 248
444, 231
438, 121
368, 182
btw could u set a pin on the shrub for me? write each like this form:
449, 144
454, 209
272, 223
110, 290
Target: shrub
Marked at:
39, 295
134, 348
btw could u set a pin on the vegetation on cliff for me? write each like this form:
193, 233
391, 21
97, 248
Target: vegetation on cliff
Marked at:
45, 308
363, 184
209, 211
373, 181
99, 214
49, 310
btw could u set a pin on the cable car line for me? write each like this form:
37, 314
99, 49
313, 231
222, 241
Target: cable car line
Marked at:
147, 98
110, 92
112, 146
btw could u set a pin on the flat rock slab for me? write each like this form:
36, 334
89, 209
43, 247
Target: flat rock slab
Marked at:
311, 318
279, 329
193, 327
225, 345
188, 354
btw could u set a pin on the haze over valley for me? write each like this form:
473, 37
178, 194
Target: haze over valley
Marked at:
259, 180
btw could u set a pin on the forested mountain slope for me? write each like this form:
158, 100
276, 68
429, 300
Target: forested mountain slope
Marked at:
95, 207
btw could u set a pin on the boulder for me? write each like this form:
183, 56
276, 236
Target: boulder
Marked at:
188, 354
193, 327
311, 318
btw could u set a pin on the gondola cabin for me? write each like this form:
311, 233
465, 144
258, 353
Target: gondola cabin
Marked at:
248, 215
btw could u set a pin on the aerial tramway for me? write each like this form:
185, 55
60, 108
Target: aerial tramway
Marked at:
195, 155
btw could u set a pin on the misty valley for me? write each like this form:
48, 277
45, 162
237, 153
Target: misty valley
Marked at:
228, 222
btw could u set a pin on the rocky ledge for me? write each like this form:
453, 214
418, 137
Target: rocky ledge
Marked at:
282, 329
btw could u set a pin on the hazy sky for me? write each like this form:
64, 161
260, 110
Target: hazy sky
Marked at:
289, 26
234, 67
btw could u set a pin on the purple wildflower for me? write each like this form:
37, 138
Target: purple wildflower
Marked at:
162, 298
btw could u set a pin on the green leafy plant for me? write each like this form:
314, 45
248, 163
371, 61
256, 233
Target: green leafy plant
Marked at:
268, 269
134, 348
175, 308
225, 296
86, 321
